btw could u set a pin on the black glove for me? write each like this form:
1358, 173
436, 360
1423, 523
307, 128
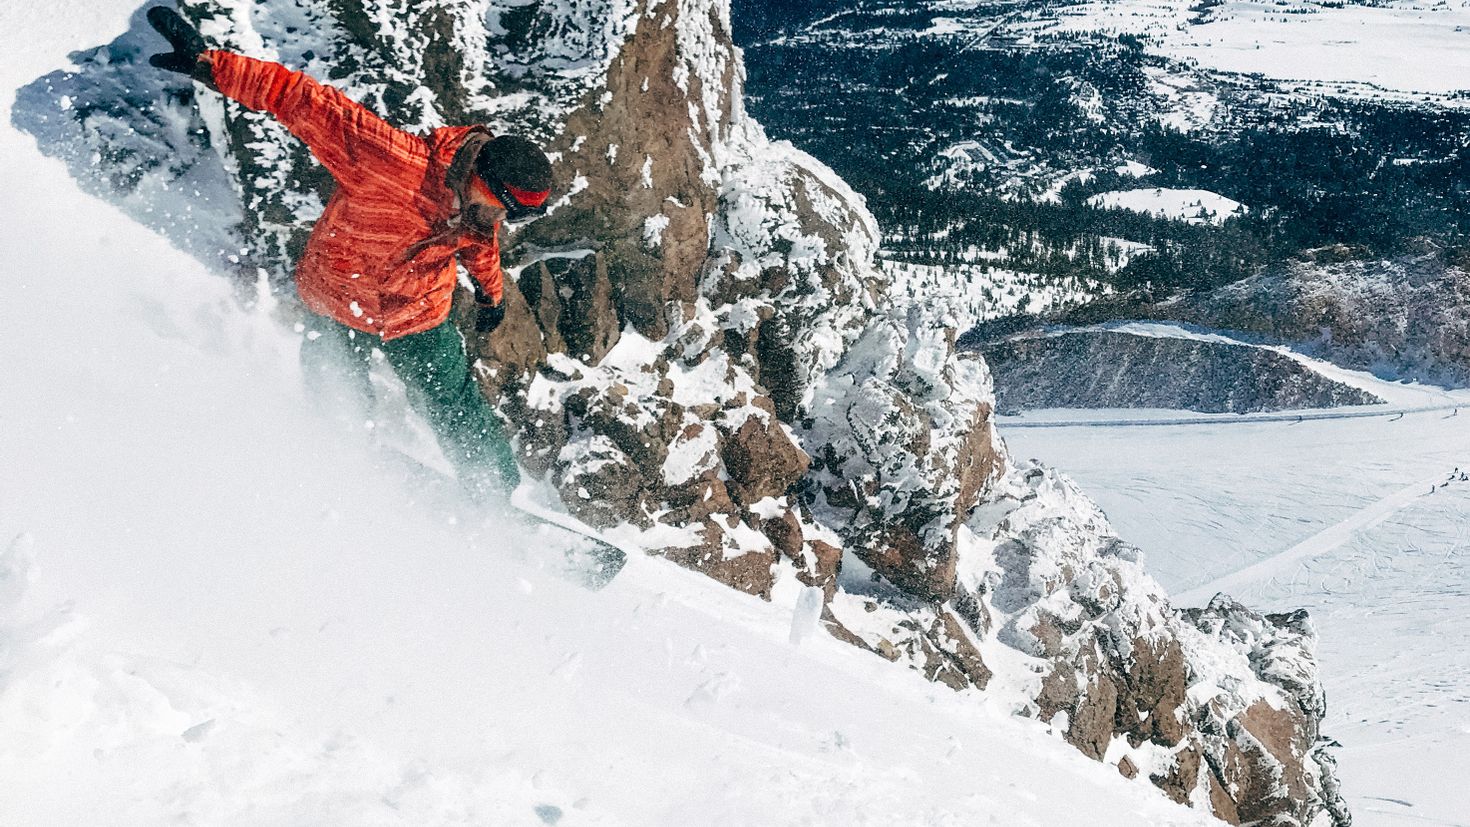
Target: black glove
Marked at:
487, 315
188, 43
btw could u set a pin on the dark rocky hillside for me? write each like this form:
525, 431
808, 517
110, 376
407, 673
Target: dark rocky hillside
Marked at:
1107, 369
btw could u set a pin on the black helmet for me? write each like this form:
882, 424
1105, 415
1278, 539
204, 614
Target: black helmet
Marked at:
518, 173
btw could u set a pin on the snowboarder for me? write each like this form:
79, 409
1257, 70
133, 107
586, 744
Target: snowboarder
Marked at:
379, 271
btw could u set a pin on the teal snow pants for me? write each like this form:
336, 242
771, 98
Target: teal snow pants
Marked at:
436, 371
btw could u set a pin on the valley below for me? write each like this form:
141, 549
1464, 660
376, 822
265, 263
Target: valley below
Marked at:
1365, 522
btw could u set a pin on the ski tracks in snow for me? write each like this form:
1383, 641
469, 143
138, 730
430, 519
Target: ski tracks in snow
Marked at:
1321, 543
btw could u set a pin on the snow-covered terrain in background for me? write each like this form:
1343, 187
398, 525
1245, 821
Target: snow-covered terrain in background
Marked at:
1398, 397
1193, 206
1365, 522
968, 294
218, 608
1406, 46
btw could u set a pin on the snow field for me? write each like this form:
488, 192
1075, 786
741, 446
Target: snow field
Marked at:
1408, 46
1190, 206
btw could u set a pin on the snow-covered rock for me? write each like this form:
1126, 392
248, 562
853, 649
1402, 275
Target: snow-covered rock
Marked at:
1403, 318
1220, 708
1102, 368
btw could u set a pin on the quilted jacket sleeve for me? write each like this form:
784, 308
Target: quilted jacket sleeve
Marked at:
482, 259
351, 141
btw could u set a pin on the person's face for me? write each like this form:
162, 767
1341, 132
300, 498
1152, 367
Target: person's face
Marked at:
482, 210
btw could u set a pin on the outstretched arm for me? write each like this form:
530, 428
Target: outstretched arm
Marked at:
348, 138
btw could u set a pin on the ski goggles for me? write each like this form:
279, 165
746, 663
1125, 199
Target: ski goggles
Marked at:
520, 205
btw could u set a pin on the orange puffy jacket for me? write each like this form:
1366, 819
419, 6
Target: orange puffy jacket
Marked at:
381, 258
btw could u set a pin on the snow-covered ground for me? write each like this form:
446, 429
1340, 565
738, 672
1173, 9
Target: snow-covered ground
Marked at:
1192, 206
219, 608
1405, 46
1365, 522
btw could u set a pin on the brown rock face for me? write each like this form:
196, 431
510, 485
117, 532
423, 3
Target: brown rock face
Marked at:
633, 143
582, 304
762, 460
823, 568
751, 572
1152, 706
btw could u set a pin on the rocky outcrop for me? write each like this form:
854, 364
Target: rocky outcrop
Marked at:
700, 356
1218, 707
1110, 369
1273, 734
1407, 318
904, 447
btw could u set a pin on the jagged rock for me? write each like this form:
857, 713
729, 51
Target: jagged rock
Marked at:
644, 155
539, 289
582, 305
719, 552
1183, 777
1193, 698
602, 480
1274, 765
1110, 369
903, 447
822, 562
761, 460
928, 638
784, 532
1089, 699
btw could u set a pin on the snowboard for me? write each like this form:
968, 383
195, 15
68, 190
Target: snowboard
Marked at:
572, 551
588, 559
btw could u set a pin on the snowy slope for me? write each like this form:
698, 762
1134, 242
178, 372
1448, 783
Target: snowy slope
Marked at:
218, 608
1191, 205
1336, 516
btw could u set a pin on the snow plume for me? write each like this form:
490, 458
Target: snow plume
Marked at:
135, 137
700, 358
